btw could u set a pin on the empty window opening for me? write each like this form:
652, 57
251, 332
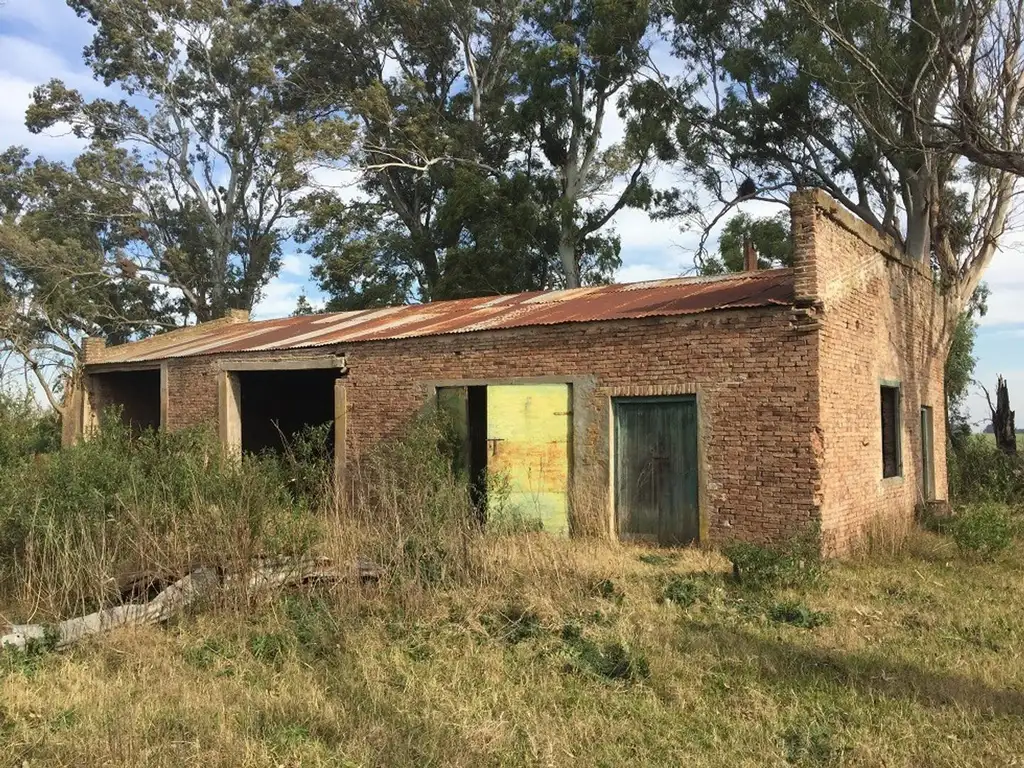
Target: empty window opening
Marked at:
512, 443
892, 462
134, 395
277, 406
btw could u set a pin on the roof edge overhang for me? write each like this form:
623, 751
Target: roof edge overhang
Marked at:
111, 365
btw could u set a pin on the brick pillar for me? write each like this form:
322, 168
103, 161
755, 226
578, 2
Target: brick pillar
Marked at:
803, 208
92, 349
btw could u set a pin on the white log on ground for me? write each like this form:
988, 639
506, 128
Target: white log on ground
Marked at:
202, 582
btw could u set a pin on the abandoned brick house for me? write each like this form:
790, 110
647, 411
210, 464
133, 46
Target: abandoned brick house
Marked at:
684, 410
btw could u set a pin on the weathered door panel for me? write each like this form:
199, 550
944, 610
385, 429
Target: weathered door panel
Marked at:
529, 428
656, 469
928, 453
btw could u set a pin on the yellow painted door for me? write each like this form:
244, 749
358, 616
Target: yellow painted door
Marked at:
529, 427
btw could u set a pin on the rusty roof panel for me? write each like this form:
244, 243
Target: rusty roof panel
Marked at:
653, 298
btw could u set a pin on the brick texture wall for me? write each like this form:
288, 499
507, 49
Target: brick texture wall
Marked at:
788, 398
880, 317
754, 377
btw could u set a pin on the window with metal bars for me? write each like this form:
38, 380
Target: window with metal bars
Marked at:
892, 460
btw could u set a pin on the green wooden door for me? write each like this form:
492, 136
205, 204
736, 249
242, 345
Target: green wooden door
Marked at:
656, 469
927, 453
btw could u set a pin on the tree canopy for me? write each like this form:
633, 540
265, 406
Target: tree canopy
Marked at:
878, 104
449, 148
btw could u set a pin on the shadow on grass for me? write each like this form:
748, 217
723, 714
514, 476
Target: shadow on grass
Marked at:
786, 665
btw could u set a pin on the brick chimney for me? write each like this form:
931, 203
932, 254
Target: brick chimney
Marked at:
237, 315
92, 349
749, 256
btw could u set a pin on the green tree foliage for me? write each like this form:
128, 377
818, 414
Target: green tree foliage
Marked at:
443, 206
63, 231
854, 97
479, 164
302, 306
959, 370
582, 59
768, 234
209, 161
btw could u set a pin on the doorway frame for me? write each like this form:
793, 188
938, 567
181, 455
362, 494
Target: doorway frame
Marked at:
684, 392
229, 403
928, 452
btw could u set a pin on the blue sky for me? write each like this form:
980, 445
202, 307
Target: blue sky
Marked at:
42, 39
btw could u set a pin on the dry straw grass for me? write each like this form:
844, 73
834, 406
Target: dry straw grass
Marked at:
526, 649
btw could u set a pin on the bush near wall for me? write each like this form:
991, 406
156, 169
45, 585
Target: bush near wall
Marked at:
75, 523
25, 429
980, 472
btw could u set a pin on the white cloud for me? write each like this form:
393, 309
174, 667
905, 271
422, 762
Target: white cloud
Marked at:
26, 64
1005, 278
279, 299
635, 273
296, 265
50, 17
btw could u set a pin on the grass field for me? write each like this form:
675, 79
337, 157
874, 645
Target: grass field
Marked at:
568, 654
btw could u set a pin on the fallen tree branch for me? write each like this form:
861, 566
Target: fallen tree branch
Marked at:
201, 582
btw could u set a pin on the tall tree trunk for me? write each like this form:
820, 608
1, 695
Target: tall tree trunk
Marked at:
567, 254
1002, 420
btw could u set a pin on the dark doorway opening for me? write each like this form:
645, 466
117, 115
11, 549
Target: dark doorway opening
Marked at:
135, 395
276, 406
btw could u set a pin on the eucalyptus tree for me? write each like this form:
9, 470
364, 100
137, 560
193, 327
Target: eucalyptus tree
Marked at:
201, 112
434, 199
908, 113
63, 235
583, 62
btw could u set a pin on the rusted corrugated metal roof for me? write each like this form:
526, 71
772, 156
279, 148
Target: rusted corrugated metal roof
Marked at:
677, 296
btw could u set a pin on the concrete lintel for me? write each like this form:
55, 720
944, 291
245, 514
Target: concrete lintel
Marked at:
298, 364
502, 381
149, 365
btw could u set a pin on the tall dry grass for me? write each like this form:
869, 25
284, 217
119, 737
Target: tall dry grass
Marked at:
81, 524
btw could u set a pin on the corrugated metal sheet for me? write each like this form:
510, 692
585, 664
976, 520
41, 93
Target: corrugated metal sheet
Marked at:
678, 296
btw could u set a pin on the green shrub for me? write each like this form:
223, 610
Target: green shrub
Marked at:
25, 430
982, 530
798, 614
610, 660
682, 591
414, 511
980, 472
795, 564
72, 525
513, 624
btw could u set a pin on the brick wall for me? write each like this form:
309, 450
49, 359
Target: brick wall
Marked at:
879, 318
753, 375
788, 399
